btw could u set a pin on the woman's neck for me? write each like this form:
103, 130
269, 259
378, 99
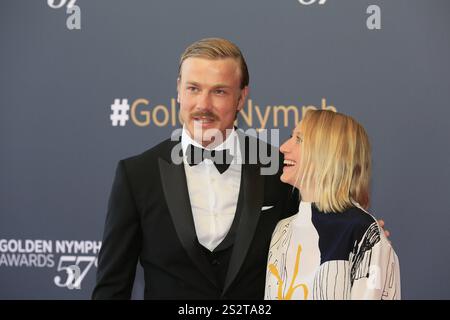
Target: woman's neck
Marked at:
307, 195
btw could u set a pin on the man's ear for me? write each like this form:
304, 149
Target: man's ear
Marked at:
242, 98
178, 89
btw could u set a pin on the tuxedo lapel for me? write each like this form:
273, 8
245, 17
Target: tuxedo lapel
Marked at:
174, 184
253, 197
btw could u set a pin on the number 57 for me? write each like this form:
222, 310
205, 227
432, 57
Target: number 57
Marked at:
74, 274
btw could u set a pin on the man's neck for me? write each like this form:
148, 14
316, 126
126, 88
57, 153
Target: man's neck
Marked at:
210, 143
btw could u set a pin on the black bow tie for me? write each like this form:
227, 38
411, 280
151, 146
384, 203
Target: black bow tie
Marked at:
222, 159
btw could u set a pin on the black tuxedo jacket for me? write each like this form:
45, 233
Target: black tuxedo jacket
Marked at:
150, 219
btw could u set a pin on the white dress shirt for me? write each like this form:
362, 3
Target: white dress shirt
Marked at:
213, 196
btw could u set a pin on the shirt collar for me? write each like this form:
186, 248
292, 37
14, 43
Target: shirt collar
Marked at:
231, 142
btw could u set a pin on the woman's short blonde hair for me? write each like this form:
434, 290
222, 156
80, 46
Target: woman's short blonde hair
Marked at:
335, 160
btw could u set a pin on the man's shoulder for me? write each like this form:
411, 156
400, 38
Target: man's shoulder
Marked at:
258, 145
151, 155
250, 139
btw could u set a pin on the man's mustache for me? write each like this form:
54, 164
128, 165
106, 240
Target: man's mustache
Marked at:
206, 114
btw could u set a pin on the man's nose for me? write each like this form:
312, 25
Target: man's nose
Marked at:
204, 102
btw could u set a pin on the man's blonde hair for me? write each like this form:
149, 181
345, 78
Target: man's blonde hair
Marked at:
213, 49
335, 160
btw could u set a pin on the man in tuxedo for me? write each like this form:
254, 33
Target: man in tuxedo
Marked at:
200, 227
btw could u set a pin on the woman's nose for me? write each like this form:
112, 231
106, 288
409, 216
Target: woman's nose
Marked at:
284, 147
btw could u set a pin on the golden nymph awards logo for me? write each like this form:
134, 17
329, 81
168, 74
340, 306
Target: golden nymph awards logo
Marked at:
73, 259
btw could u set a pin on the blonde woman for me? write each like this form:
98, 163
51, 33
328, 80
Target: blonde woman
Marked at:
332, 248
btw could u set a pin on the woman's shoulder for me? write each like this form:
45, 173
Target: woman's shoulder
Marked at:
283, 224
363, 223
359, 216
354, 219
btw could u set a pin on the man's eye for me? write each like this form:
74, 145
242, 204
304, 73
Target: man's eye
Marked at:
219, 91
193, 89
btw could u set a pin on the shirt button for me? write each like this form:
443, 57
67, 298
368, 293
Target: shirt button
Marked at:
215, 262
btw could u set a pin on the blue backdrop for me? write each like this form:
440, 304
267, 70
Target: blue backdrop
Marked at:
384, 62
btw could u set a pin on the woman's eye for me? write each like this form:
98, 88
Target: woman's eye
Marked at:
298, 139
